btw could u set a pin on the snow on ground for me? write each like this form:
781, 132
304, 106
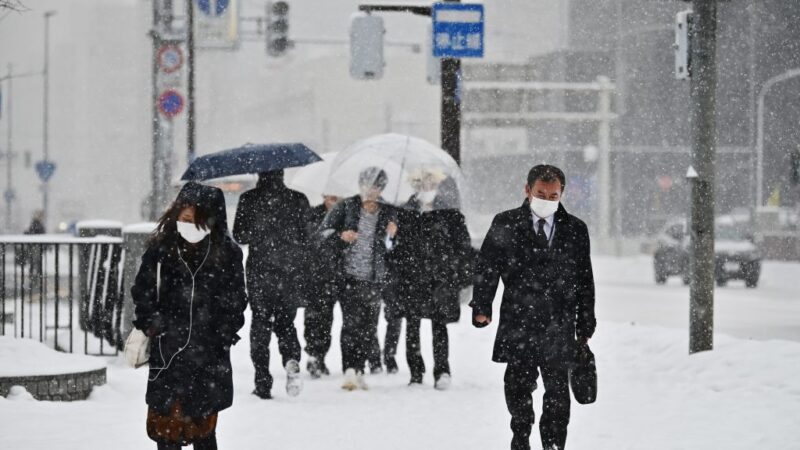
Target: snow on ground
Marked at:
652, 394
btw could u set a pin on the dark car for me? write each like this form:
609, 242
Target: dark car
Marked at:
736, 257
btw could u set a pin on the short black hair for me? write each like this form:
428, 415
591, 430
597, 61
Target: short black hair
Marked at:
546, 173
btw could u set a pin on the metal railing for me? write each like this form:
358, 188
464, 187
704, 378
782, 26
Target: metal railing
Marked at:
63, 290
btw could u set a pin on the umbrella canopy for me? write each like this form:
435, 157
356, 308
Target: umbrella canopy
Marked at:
250, 158
312, 179
411, 165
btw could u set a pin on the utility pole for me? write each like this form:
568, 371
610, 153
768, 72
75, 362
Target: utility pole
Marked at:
190, 130
704, 131
45, 109
451, 106
9, 193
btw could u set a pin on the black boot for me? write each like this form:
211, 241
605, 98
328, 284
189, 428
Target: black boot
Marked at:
314, 367
391, 365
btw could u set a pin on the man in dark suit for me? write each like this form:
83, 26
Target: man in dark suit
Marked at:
541, 253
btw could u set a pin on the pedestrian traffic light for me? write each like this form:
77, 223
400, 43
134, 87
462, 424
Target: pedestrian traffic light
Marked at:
683, 45
794, 176
277, 28
366, 47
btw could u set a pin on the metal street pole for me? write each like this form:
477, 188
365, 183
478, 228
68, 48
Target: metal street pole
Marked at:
9, 194
704, 131
451, 108
604, 160
450, 127
46, 100
190, 130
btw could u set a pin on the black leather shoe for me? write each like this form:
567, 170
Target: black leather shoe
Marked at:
264, 395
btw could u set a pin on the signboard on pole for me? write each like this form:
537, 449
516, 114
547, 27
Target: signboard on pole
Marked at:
216, 24
170, 103
170, 58
457, 30
45, 170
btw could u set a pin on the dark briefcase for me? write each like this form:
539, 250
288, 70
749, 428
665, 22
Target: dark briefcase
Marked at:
583, 376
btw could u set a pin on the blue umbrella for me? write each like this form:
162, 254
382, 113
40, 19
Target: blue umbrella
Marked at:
250, 158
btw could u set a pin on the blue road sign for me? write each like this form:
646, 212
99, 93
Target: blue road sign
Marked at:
45, 170
170, 103
211, 7
457, 30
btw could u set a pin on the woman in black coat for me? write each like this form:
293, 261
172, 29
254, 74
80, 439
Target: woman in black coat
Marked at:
431, 265
189, 298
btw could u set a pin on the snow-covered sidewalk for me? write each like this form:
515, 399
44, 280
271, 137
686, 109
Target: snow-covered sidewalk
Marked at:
653, 395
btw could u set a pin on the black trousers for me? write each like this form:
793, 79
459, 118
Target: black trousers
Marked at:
318, 319
520, 382
209, 443
441, 348
393, 328
361, 303
272, 312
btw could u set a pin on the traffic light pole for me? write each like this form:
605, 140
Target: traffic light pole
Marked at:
450, 126
703, 93
190, 129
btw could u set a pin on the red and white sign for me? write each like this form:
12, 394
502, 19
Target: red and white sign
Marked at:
170, 58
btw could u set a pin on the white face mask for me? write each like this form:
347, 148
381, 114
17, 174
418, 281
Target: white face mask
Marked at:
426, 197
543, 208
190, 233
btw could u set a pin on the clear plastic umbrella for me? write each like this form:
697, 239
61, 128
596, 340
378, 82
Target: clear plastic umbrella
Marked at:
311, 179
412, 167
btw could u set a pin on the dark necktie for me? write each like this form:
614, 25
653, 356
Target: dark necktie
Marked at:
541, 236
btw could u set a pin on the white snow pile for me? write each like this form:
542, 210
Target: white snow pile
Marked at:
27, 357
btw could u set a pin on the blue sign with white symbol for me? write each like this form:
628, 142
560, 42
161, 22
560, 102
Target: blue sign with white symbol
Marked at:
212, 7
457, 30
45, 170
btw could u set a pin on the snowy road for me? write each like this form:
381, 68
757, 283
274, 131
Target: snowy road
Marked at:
627, 292
743, 395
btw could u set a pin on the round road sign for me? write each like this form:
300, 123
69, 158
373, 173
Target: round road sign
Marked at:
170, 103
170, 58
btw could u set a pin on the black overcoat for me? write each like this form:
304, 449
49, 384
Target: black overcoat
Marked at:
272, 221
431, 264
203, 316
549, 292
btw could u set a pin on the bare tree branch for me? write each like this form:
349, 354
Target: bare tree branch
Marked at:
13, 5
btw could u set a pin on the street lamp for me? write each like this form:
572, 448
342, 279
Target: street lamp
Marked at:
792, 73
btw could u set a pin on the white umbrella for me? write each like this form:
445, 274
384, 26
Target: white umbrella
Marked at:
311, 179
408, 162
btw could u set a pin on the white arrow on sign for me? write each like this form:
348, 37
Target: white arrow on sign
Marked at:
691, 173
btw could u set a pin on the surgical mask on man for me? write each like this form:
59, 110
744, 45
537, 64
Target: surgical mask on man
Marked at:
427, 197
191, 233
544, 208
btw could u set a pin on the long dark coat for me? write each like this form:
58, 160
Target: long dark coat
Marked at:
549, 292
345, 216
431, 264
272, 220
200, 375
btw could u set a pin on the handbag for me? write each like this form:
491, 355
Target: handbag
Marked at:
137, 345
583, 376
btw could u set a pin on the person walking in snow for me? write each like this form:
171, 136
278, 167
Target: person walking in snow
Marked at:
541, 253
189, 298
361, 231
430, 266
324, 291
271, 220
